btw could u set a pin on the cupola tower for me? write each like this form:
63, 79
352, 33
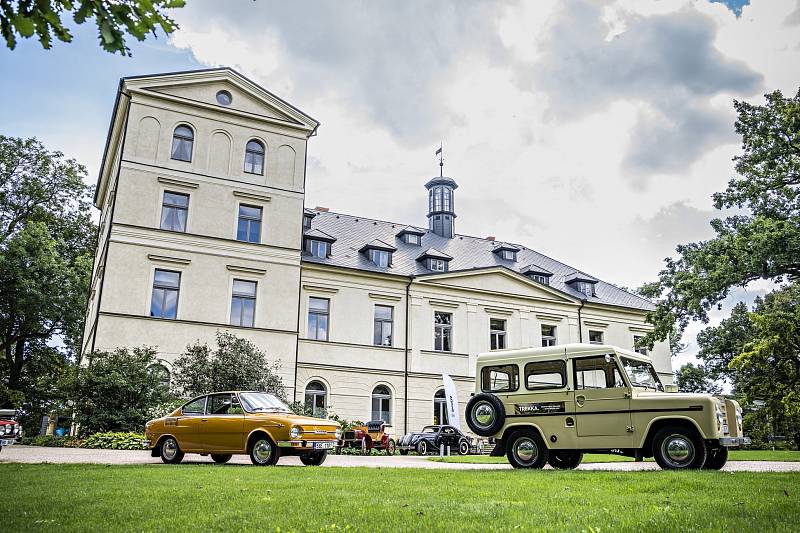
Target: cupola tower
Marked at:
441, 208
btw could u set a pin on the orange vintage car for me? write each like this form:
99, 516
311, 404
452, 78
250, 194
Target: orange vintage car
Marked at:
240, 422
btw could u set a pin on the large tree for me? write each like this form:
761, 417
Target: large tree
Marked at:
47, 241
695, 378
114, 19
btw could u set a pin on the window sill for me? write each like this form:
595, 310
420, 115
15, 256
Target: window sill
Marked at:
438, 352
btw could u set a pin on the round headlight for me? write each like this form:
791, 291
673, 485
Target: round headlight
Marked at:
295, 432
8, 429
338, 432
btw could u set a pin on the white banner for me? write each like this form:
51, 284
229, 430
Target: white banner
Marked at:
451, 397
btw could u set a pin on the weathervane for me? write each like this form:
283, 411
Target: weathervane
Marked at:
441, 160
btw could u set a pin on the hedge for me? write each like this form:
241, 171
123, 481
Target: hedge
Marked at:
115, 441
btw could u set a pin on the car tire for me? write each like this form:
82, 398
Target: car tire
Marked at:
717, 457
314, 458
526, 449
485, 414
170, 452
679, 448
264, 452
422, 447
565, 459
403, 452
463, 447
221, 458
391, 447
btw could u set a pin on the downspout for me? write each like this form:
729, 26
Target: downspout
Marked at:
300, 273
580, 323
405, 372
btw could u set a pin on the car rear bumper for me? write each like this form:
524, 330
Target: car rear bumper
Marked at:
734, 441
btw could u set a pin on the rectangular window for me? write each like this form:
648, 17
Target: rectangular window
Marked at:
597, 373
413, 239
164, 301
383, 325
317, 248
195, 407
249, 227
243, 303
437, 265
546, 375
221, 404
318, 315
509, 255
379, 257
639, 349
585, 287
544, 280
174, 209
503, 378
548, 335
307, 221
442, 332
497, 334
595, 337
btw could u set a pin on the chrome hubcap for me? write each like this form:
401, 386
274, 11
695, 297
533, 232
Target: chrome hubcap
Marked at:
169, 449
262, 451
678, 450
484, 415
526, 450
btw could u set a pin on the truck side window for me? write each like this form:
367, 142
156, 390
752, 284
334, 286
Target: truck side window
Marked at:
597, 373
546, 375
502, 378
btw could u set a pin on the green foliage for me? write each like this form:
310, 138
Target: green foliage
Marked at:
114, 19
116, 390
111, 440
235, 364
695, 378
47, 241
762, 242
52, 441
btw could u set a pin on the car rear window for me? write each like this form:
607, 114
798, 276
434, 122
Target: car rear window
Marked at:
195, 407
542, 375
501, 378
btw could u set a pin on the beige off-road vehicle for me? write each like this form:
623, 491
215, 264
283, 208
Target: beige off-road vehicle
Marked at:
551, 405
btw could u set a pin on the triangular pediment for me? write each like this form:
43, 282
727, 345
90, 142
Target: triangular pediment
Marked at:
246, 97
497, 280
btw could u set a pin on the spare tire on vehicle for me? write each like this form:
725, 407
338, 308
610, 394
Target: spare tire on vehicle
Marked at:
485, 414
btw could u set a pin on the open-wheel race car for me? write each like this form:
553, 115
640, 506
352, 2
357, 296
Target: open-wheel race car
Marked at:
374, 435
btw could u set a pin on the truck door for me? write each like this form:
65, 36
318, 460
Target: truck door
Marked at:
602, 403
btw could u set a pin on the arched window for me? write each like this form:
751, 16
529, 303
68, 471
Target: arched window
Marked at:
254, 158
439, 408
182, 143
315, 398
160, 374
381, 404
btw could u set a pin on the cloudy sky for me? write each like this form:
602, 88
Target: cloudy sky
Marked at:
594, 132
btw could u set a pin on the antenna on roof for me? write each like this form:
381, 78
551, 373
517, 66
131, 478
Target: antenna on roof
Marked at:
441, 160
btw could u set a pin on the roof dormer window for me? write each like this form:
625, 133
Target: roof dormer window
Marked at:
586, 287
506, 252
318, 248
508, 255
411, 235
381, 258
539, 278
437, 265
537, 274
307, 221
379, 252
434, 260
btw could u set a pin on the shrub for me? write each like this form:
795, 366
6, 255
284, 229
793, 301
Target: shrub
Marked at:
112, 440
52, 441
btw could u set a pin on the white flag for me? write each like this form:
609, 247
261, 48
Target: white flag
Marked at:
451, 397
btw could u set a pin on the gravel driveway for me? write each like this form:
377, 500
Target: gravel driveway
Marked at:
36, 454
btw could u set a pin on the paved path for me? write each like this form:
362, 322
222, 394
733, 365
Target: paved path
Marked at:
36, 454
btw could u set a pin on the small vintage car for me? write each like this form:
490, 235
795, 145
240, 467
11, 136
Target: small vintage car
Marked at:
258, 424
10, 430
550, 405
374, 435
431, 438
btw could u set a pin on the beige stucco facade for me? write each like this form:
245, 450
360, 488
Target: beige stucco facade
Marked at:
137, 171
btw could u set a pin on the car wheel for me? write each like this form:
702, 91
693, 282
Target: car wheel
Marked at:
314, 458
526, 449
221, 458
422, 447
485, 414
463, 448
170, 451
263, 452
679, 448
565, 459
390, 447
403, 452
717, 457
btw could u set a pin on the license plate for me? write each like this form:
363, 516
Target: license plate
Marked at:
323, 445
6, 442
724, 428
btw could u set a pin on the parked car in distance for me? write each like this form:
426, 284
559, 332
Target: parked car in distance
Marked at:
374, 435
550, 405
10, 429
431, 437
223, 424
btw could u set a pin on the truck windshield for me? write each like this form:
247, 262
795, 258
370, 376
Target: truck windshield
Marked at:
642, 374
261, 401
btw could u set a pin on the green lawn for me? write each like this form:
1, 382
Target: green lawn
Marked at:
735, 455
246, 498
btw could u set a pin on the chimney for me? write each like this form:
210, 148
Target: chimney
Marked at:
321, 209
490, 238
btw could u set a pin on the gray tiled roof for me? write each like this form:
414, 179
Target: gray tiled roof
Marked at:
468, 253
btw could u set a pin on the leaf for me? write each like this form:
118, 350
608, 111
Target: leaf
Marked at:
24, 25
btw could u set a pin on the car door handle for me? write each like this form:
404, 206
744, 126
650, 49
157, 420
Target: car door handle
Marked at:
580, 400
204, 419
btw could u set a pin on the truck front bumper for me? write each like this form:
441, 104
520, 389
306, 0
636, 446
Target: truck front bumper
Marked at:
734, 441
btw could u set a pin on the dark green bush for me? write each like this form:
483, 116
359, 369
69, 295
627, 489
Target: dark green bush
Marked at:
52, 441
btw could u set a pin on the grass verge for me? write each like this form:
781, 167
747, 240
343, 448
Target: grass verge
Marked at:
735, 455
247, 498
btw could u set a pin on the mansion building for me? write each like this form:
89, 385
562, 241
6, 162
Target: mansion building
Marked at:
203, 228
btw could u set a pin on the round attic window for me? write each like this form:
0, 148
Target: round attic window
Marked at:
224, 98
